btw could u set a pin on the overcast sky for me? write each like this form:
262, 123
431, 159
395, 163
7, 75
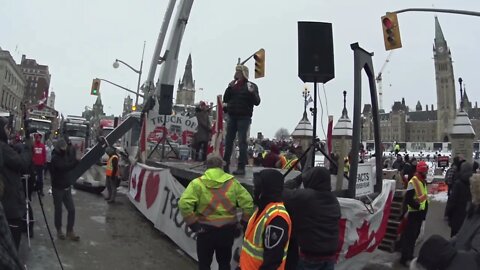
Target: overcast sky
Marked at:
79, 40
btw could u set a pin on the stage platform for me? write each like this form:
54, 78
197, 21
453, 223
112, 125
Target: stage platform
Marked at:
186, 171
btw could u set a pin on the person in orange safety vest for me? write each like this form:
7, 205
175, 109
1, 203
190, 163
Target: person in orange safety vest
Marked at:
266, 239
111, 173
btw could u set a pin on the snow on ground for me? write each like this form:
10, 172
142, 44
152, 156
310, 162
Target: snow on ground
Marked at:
439, 197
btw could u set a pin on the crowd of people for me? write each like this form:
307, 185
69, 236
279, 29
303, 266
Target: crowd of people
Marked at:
285, 226
23, 165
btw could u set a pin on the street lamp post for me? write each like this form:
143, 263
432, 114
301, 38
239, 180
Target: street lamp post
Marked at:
139, 72
305, 94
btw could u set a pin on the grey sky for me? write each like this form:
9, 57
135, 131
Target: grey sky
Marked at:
79, 40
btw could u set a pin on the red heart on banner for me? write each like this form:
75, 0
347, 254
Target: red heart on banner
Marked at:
151, 189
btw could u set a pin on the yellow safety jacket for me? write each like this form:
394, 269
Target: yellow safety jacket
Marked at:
421, 193
213, 198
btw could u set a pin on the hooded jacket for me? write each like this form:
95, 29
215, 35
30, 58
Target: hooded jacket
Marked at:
315, 212
456, 208
439, 254
62, 163
14, 165
198, 196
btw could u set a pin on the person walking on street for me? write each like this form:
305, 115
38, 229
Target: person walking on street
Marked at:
209, 207
39, 161
266, 239
456, 208
315, 214
13, 199
111, 173
416, 199
62, 162
239, 98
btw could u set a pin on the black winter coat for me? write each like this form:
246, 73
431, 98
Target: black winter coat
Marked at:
458, 200
315, 212
14, 166
62, 162
240, 101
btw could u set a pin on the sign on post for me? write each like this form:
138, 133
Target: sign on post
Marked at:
365, 180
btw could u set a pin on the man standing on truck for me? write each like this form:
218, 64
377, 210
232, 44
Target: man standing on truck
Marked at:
239, 98
39, 159
111, 174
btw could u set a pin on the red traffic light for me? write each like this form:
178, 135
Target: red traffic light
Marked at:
387, 23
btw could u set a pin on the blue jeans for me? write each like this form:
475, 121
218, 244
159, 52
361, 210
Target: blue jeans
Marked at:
304, 264
234, 125
39, 174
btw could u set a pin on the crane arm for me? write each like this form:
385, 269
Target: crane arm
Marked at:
379, 76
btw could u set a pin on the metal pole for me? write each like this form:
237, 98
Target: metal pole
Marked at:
314, 112
140, 76
452, 11
119, 86
158, 47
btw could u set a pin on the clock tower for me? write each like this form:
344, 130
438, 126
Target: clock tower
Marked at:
446, 101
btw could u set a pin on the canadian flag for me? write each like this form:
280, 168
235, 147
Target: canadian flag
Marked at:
43, 101
216, 143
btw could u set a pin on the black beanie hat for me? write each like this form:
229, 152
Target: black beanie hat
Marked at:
436, 253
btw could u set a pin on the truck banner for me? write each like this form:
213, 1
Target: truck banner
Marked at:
177, 128
155, 193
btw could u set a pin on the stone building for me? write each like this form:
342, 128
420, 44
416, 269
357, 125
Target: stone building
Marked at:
38, 80
403, 124
12, 87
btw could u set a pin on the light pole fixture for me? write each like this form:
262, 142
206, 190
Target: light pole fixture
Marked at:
116, 64
305, 95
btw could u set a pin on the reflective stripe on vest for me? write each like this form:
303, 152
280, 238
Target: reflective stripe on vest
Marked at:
219, 197
251, 256
109, 169
421, 194
291, 163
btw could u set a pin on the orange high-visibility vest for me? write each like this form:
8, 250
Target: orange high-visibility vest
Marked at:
251, 257
109, 169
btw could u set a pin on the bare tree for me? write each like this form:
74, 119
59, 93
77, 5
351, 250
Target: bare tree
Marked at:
282, 134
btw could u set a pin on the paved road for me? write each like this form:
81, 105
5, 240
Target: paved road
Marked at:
113, 236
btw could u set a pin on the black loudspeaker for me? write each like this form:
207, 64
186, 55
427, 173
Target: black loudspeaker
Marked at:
315, 52
165, 99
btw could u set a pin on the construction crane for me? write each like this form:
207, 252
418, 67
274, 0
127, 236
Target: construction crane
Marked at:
379, 81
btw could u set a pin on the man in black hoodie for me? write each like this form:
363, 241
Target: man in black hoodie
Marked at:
268, 231
459, 198
315, 213
14, 165
62, 162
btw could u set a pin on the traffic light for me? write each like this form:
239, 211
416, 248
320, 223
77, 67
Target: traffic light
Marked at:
259, 63
391, 31
95, 87
134, 108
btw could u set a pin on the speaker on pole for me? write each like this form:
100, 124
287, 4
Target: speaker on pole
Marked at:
315, 52
165, 99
